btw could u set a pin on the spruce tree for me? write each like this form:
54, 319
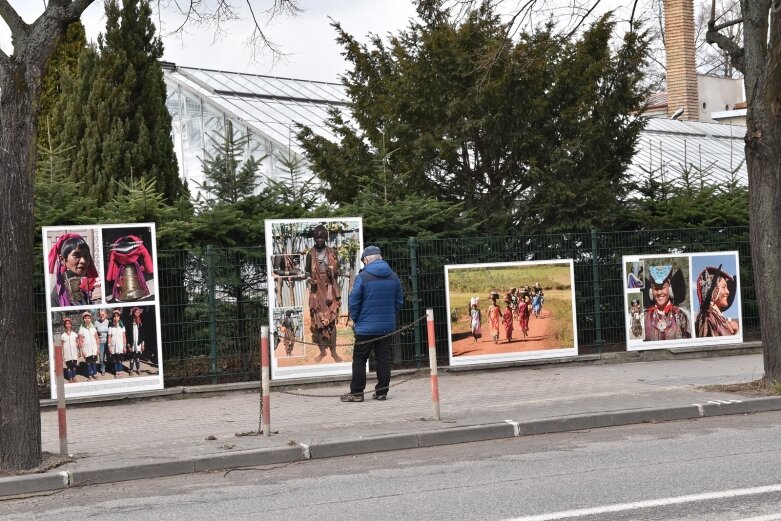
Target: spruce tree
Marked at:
115, 113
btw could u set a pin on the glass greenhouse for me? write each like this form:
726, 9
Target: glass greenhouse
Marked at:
267, 109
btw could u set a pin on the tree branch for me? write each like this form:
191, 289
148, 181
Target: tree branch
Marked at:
583, 18
77, 7
19, 28
728, 45
725, 24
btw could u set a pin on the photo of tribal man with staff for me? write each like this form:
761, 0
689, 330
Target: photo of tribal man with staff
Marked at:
313, 264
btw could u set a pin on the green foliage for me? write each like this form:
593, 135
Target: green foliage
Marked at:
228, 178
58, 198
113, 110
524, 135
63, 60
682, 197
292, 192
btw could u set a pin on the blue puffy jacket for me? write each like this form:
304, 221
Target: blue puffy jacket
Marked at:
375, 299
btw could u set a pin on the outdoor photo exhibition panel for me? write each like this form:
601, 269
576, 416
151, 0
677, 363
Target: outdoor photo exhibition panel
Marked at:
683, 299
509, 311
102, 307
312, 265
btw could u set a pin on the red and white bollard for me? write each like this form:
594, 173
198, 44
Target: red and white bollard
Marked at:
60, 382
264, 381
432, 362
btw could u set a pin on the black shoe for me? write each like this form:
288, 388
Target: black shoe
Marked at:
350, 397
381, 397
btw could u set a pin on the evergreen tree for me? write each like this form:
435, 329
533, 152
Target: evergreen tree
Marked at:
292, 193
58, 198
530, 134
114, 111
229, 215
681, 198
64, 60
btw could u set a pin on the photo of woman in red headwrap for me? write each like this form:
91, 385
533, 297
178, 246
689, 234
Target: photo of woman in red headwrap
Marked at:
75, 280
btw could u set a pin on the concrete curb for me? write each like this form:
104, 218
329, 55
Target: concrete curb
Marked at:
34, 483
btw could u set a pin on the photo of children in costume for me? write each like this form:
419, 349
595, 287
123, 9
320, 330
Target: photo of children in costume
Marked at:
89, 344
70, 350
547, 330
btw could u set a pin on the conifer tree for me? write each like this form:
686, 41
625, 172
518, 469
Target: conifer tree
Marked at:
115, 113
63, 61
229, 215
58, 198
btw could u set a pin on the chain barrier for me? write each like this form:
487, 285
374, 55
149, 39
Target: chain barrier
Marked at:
400, 330
418, 373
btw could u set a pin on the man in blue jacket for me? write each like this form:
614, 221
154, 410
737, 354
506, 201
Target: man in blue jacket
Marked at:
375, 299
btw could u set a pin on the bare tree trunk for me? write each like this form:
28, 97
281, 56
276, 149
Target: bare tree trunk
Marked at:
763, 159
20, 423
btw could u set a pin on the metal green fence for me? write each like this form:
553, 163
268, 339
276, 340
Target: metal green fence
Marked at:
214, 300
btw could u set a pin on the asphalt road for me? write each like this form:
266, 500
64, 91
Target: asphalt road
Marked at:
724, 468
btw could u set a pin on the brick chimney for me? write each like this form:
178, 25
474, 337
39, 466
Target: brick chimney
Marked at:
681, 66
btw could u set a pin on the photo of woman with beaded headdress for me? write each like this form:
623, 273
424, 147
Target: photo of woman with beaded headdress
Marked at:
666, 317
716, 295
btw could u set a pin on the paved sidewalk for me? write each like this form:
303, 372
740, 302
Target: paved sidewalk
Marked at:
165, 437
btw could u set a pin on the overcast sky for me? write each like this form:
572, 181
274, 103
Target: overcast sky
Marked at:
307, 39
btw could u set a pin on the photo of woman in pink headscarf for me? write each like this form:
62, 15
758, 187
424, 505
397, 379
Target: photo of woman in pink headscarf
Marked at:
75, 280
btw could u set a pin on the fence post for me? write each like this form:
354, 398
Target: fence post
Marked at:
432, 362
413, 269
211, 303
264, 382
60, 382
597, 289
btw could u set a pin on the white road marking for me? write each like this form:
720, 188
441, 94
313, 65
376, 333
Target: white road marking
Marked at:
769, 517
516, 427
653, 503
304, 446
699, 408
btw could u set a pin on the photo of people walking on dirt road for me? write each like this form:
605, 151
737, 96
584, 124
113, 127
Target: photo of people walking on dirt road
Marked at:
510, 311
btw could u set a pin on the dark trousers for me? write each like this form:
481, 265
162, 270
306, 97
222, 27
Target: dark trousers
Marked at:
364, 344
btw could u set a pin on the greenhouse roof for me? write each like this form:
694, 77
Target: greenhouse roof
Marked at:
273, 106
666, 146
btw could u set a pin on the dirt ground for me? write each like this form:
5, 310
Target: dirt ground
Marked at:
305, 353
762, 387
542, 335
